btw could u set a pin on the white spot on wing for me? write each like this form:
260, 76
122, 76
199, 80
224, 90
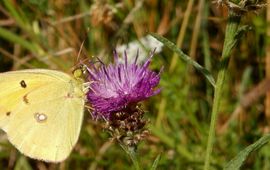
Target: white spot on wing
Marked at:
40, 117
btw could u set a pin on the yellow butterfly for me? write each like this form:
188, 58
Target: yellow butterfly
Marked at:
42, 111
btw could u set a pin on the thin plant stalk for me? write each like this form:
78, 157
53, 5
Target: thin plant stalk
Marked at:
206, 50
181, 34
267, 65
229, 42
196, 29
132, 154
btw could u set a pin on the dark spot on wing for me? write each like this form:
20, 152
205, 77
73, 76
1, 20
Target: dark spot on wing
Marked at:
69, 95
8, 113
23, 84
25, 99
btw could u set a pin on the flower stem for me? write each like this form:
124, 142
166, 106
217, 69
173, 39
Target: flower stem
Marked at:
132, 154
229, 42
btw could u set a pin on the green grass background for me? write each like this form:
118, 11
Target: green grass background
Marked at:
48, 34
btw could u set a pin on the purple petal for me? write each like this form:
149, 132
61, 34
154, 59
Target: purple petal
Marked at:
117, 85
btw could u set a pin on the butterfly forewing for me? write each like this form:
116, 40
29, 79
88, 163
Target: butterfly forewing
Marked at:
41, 111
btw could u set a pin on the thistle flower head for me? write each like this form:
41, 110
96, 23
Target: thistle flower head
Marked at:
120, 85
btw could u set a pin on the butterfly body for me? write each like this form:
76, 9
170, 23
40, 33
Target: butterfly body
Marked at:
41, 111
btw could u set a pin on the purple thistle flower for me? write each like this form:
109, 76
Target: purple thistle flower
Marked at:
119, 85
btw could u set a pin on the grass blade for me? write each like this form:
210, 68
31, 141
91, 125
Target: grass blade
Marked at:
237, 162
185, 57
16, 39
155, 164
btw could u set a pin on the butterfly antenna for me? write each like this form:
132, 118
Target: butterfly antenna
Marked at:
78, 62
80, 51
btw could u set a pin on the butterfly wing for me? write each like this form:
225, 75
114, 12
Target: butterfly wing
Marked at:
41, 111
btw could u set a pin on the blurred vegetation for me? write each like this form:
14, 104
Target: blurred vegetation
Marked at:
48, 34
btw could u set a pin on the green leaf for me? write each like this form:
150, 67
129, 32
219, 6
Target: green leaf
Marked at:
237, 162
155, 164
185, 57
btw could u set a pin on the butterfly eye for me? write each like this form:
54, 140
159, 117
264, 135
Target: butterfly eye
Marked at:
23, 84
77, 73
